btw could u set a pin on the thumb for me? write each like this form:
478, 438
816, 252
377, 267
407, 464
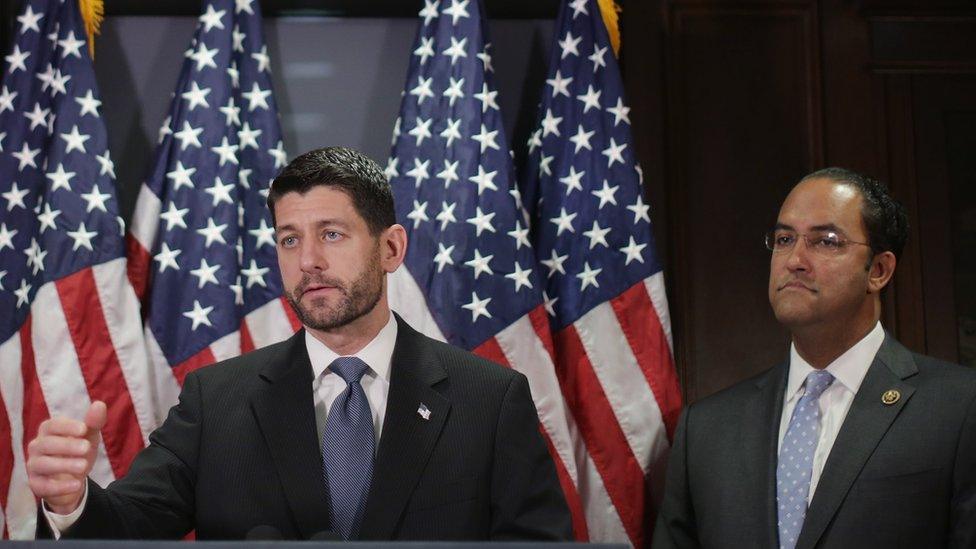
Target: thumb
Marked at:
96, 417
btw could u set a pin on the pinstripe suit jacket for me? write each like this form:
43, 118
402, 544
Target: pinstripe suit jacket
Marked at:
240, 450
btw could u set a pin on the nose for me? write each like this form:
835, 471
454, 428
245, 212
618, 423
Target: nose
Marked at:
797, 259
312, 256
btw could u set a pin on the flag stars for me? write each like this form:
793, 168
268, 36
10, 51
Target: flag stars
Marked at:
425, 49
487, 98
486, 139
449, 173
568, 45
15, 197
573, 180
614, 152
199, 315
458, 9
204, 57
429, 11
555, 263
23, 293
422, 90
563, 222
456, 50
263, 59
588, 277
196, 96
255, 274
16, 60
606, 194
46, 218
452, 131
446, 215
597, 235
443, 256
454, 92
226, 151
37, 117
418, 214
620, 113
35, 256
7, 236
485, 58
96, 200
421, 130
256, 98
7, 100
544, 162
640, 210
29, 20
167, 258
188, 136
264, 234
60, 179
88, 104
484, 180
590, 99
478, 307
205, 273
520, 235
419, 171
71, 46
82, 237
597, 57
550, 124
279, 155
237, 39
212, 233
582, 139
180, 177
220, 192
173, 216
234, 74
480, 264
520, 276
482, 221
559, 84
243, 6
391, 167
212, 19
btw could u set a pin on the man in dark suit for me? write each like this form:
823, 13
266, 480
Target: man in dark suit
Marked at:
357, 425
854, 441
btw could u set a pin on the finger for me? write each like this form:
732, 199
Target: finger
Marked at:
63, 426
97, 416
47, 487
52, 465
51, 445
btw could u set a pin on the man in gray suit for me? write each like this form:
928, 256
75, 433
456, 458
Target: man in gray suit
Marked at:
854, 441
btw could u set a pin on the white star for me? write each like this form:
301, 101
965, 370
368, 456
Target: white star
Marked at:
590, 99
59, 83
2, 274
220, 192
482, 221
597, 57
212, 232
487, 98
256, 97
446, 214
234, 74
391, 167
453, 91
480, 264
419, 171
559, 84
520, 276
419, 213
7, 236
423, 89
35, 256
264, 61
640, 210
614, 152
242, 177
279, 154
520, 235
486, 59
456, 50
3, 135
38, 116
164, 130
238, 291
46, 219
196, 96
550, 124
484, 180
421, 130
452, 131
7, 100
212, 19
60, 179
82, 237
549, 303
45, 77
199, 315
243, 5
71, 46
443, 256
167, 258
606, 194
425, 49
205, 273
486, 138
619, 112
458, 9
255, 274
26, 156
180, 177
226, 151
89, 105
535, 140
237, 39
15, 197
568, 45
16, 59
23, 293
106, 164
188, 136
429, 11
204, 57
264, 235
449, 173
478, 307
564, 222
28, 21
582, 139
174, 216
544, 162
573, 180
597, 235
588, 277
96, 200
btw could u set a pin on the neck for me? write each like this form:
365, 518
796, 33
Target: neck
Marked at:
351, 338
821, 346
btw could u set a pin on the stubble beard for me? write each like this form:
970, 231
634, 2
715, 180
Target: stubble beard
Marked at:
358, 299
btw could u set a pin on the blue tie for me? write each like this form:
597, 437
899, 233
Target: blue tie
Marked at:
347, 449
796, 459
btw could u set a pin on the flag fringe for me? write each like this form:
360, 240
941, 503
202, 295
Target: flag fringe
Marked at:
610, 11
93, 13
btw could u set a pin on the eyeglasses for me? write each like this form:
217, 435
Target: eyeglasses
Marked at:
825, 243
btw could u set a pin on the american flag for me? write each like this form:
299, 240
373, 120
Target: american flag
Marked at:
471, 276
603, 281
69, 320
201, 247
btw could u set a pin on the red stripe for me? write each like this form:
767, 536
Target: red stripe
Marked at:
540, 323
100, 367
492, 351
642, 327
6, 461
195, 362
292, 317
137, 264
247, 342
605, 441
35, 407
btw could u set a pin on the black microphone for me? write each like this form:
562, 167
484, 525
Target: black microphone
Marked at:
263, 532
326, 535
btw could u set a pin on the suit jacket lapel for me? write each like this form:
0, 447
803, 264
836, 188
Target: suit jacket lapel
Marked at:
407, 438
866, 423
759, 437
285, 412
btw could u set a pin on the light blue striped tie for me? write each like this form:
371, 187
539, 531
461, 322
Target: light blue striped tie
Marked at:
347, 449
795, 465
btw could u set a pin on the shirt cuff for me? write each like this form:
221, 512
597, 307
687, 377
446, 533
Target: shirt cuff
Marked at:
60, 523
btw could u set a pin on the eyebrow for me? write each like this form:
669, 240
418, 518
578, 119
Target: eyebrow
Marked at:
318, 225
824, 227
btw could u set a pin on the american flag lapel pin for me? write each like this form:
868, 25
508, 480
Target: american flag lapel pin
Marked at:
424, 412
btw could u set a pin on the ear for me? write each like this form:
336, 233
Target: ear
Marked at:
393, 247
881, 270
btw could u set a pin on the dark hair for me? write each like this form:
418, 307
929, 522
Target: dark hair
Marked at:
347, 170
884, 217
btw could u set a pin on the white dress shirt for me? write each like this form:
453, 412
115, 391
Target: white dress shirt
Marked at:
326, 387
848, 370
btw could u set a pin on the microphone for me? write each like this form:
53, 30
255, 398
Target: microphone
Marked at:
326, 535
263, 532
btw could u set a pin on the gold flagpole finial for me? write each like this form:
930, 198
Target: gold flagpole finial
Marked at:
92, 12
610, 11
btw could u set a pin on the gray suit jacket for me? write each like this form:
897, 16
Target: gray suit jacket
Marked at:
898, 475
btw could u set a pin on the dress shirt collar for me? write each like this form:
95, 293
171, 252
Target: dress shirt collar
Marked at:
848, 369
377, 354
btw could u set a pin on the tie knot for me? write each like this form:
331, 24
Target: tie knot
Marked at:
349, 368
817, 382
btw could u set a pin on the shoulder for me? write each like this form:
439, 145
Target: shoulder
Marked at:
953, 381
465, 365
734, 396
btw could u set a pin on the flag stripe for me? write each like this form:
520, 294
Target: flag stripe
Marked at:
271, 322
139, 239
7, 350
296, 324
167, 386
573, 500
100, 367
602, 519
247, 342
35, 408
195, 362
19, 507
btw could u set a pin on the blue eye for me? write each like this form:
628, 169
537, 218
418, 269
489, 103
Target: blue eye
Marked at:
288, 241
332, 235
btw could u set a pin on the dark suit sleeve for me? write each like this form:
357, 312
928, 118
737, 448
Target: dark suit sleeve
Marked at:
155, 500
527, 502
676, 525
963, 522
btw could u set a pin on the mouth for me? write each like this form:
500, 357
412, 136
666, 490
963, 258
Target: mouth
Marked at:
318, 290
795, 285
